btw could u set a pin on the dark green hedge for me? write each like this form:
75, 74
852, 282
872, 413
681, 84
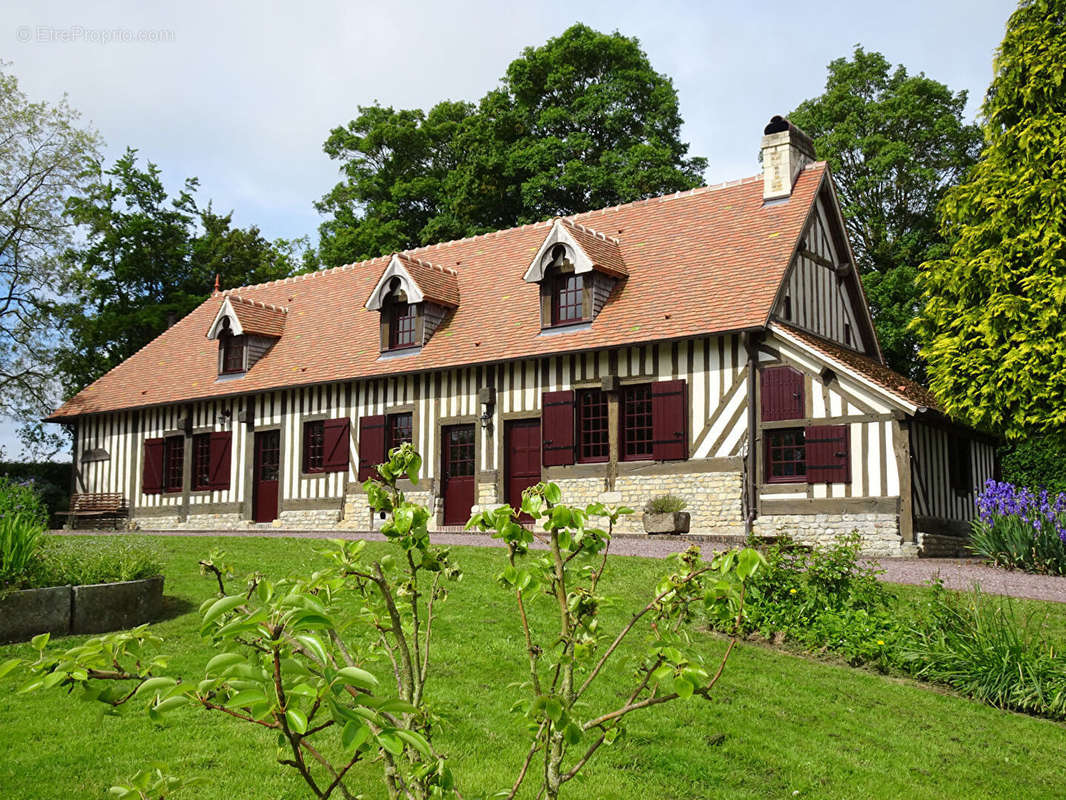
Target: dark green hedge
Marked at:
1039, 462
52, 480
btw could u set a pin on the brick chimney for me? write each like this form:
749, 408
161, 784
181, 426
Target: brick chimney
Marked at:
786, 150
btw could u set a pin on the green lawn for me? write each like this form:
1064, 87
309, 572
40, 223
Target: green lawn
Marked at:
781, 726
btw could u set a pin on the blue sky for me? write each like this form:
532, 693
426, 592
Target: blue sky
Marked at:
242, 94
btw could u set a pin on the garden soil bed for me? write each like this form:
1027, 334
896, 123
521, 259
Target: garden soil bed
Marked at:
94, 608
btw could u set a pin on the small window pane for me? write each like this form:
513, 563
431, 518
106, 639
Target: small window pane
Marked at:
174, 463
201, 463
314, 433
399, 430
786, 456
592, 428
567, 302
402, 326
636, 423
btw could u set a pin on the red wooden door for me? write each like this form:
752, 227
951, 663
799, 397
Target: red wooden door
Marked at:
521, 460
457, 473
267, 467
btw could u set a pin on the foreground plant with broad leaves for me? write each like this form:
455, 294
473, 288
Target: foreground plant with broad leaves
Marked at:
567, 656
301, 657
298, 657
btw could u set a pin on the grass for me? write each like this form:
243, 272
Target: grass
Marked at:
780, 726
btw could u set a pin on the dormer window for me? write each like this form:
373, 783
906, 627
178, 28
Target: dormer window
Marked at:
400, 317
245, 330
577, 270
413, 298
230, 350
568, 299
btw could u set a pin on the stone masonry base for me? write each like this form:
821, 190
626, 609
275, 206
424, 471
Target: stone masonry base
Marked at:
880, 532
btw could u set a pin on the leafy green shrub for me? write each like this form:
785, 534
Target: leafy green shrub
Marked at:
21, 540
81, 561
1037, 462
823, 599
22, 497
1021, 529
977, 646
665, 504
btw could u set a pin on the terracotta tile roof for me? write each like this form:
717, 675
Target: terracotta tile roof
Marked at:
704, 261
439, 284
898, 385
258, 318
605, 252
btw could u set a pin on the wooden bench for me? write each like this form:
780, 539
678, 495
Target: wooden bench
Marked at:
97, 508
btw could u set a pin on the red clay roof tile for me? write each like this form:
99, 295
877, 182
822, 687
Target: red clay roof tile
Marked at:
713, 257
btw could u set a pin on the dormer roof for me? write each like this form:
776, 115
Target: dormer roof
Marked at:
248, 317
588, 250
420, 280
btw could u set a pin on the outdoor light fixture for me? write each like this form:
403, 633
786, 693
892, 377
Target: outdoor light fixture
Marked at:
486, 396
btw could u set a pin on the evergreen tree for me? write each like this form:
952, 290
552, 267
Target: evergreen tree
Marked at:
993, 328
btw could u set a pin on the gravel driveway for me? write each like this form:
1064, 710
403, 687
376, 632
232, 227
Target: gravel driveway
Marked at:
955, 573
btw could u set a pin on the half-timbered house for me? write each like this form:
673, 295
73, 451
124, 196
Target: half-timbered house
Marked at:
715, 344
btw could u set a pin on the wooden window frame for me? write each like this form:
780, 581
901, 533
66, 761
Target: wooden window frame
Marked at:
771, 439
626, 429
603, 428
201, 462
960, 463
574, 296
393, 426
401, 311
314, 437
230, 348
173, 456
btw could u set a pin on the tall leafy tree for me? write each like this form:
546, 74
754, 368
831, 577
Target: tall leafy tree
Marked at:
993, 329
581, 122
44, 152
147, 260
896, 143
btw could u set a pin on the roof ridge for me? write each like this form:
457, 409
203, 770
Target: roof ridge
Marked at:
428, 264
706, 189
260, 303
594, 233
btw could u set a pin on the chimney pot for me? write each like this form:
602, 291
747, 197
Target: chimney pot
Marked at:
786, 150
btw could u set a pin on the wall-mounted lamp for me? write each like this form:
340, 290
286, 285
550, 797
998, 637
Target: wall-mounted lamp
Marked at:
224, 418
486, 397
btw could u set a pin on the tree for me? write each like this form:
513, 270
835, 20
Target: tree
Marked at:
895, 143
992, 329
299, 657
43, 154
581, 122
147, 261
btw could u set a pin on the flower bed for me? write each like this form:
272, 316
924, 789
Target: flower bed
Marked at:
1021, 529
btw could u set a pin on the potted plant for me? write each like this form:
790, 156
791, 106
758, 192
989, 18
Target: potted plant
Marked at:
666, 514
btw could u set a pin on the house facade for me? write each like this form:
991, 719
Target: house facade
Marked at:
714, 344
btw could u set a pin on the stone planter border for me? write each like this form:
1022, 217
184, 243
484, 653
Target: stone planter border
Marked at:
673, 522
92, 608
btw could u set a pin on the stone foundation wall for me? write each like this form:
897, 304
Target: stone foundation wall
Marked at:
935, 545
309, 519
880, 532
714, 498
357, 515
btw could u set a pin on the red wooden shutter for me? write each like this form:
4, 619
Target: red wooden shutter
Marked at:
557, 418
335, 437
218, 460
669, 420
781, 394
152, 477
371, 445
828, 454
